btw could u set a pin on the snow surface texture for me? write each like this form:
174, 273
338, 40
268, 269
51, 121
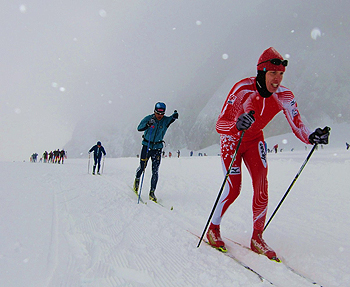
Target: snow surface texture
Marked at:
61, 226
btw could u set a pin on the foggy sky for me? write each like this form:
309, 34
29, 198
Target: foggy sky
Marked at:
104, 64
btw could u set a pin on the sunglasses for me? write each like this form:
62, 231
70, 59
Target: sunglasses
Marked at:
159, 113
276, 62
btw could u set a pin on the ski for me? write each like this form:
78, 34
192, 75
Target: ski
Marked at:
156, 202
162, 205
282, 261
228, 254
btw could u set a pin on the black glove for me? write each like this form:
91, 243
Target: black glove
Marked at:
151, 122
320, 136
245, 121
175, 115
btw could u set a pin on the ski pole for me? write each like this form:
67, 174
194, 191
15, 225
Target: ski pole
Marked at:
103, 164
89, 164
291, 185
222, 188
146, 159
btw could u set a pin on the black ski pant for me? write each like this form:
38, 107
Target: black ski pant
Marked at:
155, 155
97, 161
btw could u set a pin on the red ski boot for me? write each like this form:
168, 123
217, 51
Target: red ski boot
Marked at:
214, 238
259, 246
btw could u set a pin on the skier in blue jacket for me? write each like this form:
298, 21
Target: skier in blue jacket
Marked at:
154, 127
98, 150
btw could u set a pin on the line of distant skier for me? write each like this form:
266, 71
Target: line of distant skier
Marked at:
56, 156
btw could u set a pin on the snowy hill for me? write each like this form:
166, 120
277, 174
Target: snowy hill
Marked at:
64, 227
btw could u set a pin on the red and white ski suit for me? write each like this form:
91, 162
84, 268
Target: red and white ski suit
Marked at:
244, 97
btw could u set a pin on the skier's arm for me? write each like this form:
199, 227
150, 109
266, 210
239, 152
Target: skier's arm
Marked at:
293, 117
226, 123
234, 106
144, 124
174, 117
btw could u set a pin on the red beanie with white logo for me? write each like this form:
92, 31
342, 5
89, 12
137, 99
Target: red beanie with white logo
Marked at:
265, 65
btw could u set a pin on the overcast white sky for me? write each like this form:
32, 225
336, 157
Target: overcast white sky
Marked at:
66, 61
63, 61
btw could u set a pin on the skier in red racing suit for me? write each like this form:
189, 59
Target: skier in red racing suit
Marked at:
265, 96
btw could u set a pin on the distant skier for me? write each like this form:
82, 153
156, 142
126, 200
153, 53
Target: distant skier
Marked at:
154, 127
45, 156
51, 157
56, 155
265, 96
62, 156
34, 157
98, 150
347, 146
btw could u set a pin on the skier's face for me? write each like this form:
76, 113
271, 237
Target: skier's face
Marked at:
159, 116
273, 80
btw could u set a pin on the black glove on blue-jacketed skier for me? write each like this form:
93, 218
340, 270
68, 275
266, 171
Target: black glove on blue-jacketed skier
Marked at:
154, 127
98, 150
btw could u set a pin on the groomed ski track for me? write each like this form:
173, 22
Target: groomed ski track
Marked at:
70, 228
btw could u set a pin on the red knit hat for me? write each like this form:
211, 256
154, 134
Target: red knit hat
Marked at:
265, 65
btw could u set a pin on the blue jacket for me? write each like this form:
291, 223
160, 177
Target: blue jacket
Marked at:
158, 131
98, 151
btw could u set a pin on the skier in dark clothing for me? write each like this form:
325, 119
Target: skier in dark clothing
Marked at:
98, 150
34, 157
56, 155
62, 156
45, 156
51, 157
154, 127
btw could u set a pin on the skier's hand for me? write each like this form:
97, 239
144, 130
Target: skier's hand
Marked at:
151, 122
175, 115
320, 136
245, 121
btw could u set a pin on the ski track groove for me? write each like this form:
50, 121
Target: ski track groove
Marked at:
93, 240
95, 232
169, 277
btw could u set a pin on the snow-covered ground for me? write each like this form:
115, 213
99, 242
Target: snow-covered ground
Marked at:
61, 226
